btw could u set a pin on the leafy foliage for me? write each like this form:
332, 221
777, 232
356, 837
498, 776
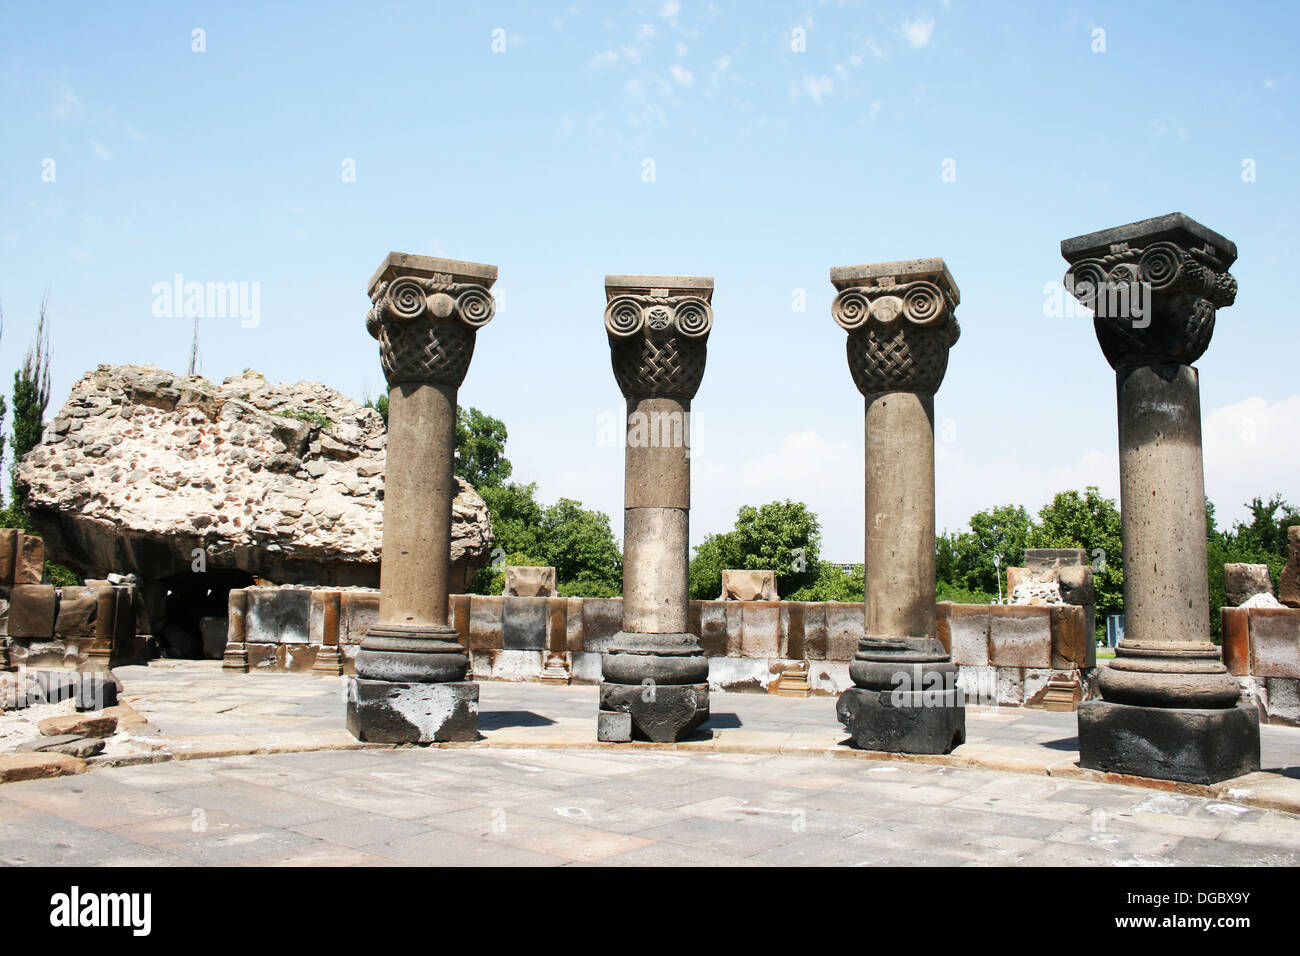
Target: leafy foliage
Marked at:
977, 560
577, 542
314, 419
1261, 540
480, 449
31, 395
1090, 521
833, 583
780, 536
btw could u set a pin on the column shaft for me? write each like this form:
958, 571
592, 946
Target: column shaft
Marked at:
900, 515
419, 487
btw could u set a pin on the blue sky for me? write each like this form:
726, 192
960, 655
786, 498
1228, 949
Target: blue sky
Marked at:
771, 165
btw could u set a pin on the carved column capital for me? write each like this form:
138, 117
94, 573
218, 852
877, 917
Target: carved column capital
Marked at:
425, 314
1153, 286
901, 321
658, 327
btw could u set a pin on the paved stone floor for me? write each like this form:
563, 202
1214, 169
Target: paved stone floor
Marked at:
550, 807
767, 783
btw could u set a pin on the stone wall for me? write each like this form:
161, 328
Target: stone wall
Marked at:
1261, 648
46, 626
1008, 655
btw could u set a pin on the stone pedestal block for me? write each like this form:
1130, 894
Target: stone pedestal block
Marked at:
912, 722
391, 712
661, 713
1170, 743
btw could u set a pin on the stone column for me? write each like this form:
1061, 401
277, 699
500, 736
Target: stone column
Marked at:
901, 324
656, 676
1169, 708
410, 685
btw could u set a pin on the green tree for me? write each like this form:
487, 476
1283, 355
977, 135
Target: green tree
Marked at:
581, 546
577, 542
481, 449
780, 536
977, 560
1260, 540
833, 583
3, 407
1089, 521
31, 396
380, 405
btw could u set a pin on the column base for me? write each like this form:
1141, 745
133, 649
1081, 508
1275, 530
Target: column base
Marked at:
1169, 743
903, 722
662, 713
391, 712
235, 659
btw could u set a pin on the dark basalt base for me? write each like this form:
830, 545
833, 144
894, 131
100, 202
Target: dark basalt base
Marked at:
388, 712
1169, 743
662, 713
903, 722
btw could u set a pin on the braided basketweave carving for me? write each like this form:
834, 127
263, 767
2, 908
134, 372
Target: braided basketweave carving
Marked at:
899, 335
426, 329
1153, 304
657, 343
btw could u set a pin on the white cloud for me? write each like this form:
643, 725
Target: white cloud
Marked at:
1250, 450
68, 108
102, 151
681, 75
818, 87
918, 32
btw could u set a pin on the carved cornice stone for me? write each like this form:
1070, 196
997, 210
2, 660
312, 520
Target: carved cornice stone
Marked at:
425, 314
1154, 287
658, 327
901, 321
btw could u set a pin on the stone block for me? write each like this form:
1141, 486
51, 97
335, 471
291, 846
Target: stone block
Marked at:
458, 614
1037, 559
32, 611
509, 664
530, 582
1169, 743
735, 629
1071, 639
47, 652
613, 726
323, 613
101, 725
263, 658
557, 624
1282, 700
903, 722
792, 617
1033, 683
1275, 642
663, 713
760, 629
979, 685
94, 692
16, 767
358, 610
815, 637
740, 675
29, 559
486, 622
602, 621
1020, 636
1011, 686
1241, 582
1235, 628
713, 627
523, 623
1288, 584
573, 624
968, 634
749, 586
8, 553
1077, 585
401, 713
845, 624
298, 658
77, 614
277, 615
